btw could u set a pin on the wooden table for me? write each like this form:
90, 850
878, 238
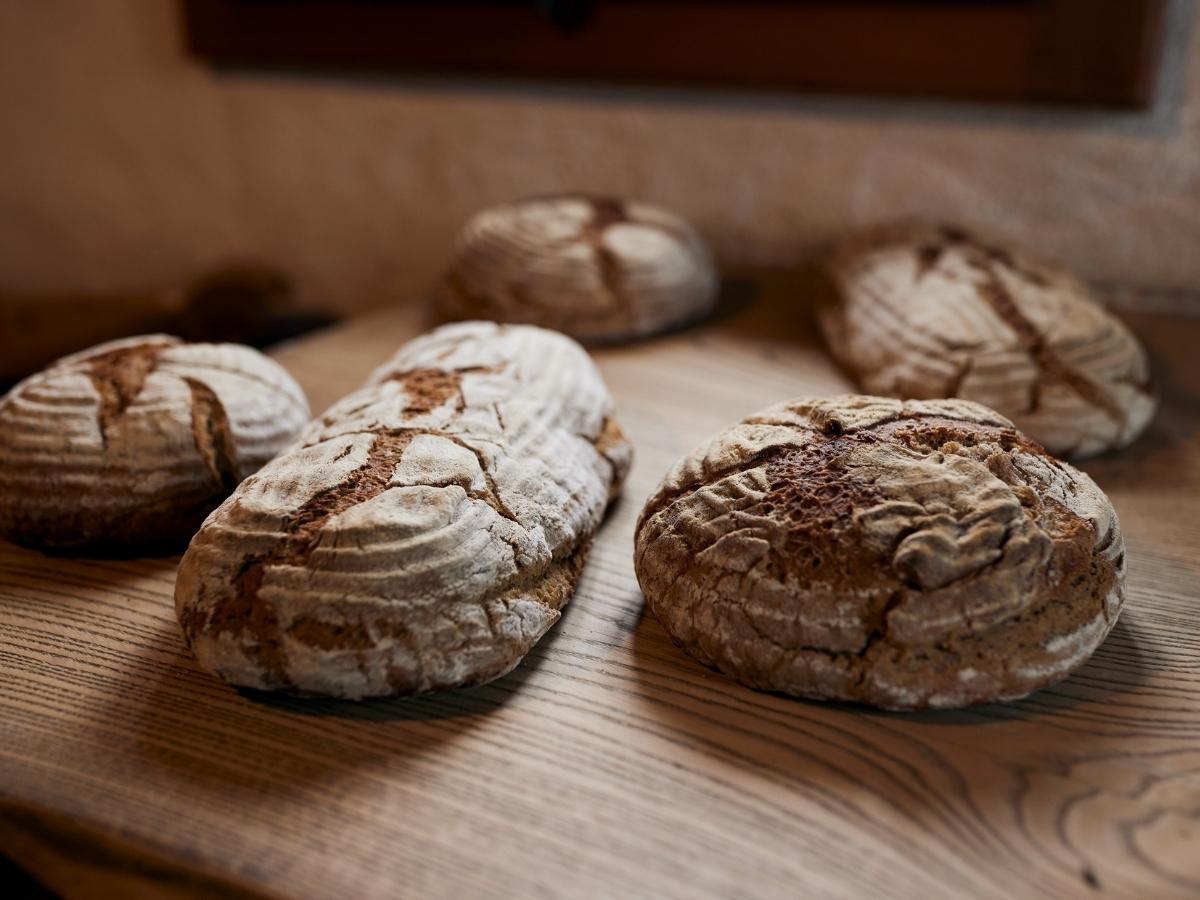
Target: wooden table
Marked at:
609, 764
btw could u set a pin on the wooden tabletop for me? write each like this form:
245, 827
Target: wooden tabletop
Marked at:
609, 764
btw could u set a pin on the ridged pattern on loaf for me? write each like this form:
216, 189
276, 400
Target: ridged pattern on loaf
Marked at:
593, 268
901, 554
426, 531
131, 443
927, 312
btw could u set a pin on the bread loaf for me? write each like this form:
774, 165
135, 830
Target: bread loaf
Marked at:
424, 533
900, 554
597, 269
126, 447
934, 312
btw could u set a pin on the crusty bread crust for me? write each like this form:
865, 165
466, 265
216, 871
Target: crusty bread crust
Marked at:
126, 447
935, 312
423, 534
598, 269
900, 554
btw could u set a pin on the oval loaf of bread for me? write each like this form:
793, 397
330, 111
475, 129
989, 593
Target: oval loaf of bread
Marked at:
597, 269
933, 312
901, 554
129, 445
423, 534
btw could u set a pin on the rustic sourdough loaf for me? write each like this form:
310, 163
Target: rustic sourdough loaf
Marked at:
901, 554
423, 534
595, 268
127, 446
934, 312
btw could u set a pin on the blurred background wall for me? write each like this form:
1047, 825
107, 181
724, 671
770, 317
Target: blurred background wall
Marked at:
127, 164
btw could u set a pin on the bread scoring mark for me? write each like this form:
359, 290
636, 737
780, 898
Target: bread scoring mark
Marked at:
606, 211
1050, 367
1004, 258
927, 259
492, 498
605, 214
213, 437
119, 376
428, 389
963, 239
243, 612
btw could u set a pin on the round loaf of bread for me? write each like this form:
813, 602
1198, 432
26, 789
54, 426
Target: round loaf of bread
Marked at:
933, 312
900, 554
597, 269
129, 445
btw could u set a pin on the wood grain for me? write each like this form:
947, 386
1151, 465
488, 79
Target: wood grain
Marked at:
610, 764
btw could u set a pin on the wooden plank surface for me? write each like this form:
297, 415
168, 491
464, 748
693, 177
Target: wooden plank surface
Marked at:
609, 764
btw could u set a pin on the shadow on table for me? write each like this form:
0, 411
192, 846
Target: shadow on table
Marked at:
1169, 444
941, 784
1095, 702
470, 701
203, 730
95, 573
775, 304
735, 294
1120, 666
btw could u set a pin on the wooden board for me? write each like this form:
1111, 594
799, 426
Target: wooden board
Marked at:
609, 764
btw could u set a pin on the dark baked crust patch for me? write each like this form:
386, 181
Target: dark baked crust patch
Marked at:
119, 376
915, 560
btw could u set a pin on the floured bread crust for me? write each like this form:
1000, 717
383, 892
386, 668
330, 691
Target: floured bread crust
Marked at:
900, 554
129, 445
423, 534
598, 269
934, 312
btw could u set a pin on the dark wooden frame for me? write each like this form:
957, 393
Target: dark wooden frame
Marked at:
1098, 52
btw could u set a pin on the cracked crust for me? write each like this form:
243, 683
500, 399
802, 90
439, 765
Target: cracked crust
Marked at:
935, 312
596, 268
126, 447
900, 554
423, 533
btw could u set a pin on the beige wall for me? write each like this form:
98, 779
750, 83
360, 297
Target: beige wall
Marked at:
127, 164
